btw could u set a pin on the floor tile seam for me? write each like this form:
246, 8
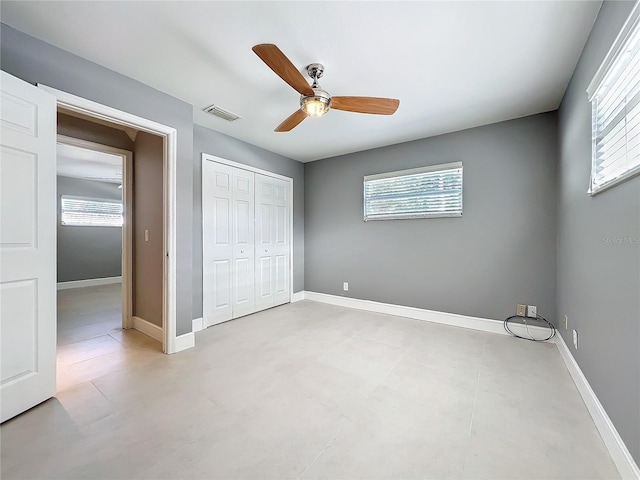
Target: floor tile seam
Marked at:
475, 397
335, 347
111, 370
73, 348
64, 367
326, 447
101, 392
381, 381
388, 344
119, 341
83, 340
76, 354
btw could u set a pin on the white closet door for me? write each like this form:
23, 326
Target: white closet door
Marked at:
243, 243
217, 248
27, 247
272, 241
281, 247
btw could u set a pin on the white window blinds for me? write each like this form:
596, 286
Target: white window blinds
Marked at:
434, 191
615, 103
77, 211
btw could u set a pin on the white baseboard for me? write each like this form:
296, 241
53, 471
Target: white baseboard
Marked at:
452, 319
91, 282
150, 329
184, 342
197, 324
617, 449
627, 467
298, 296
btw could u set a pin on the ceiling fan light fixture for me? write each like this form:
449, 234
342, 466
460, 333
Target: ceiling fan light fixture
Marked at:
317, 104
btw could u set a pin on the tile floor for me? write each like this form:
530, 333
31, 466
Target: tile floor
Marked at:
311, 391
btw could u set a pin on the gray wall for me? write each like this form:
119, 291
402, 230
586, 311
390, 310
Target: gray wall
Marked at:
88, 252
599, 278
499, 253
38, 62
218, 144
147, 215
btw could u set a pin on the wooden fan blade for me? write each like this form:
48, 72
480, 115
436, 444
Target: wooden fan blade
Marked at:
375, 105
282, 66
291, 122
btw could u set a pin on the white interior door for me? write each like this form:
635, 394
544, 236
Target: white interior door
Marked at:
243, 243
272, 241
27, 246
217, 248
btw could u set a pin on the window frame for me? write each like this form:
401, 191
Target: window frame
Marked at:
89, 199
414, 171
630, 28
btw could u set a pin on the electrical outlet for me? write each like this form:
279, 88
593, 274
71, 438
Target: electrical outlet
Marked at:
566, 322
575, 339
532, 311
345, 286
521, 310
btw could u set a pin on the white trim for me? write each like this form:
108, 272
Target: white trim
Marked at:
595, 189
184, 342
249, 168
444, 318
150, 329
617, 449
91, 282
170, 136
242, 166
414, 171
197, 324
298, 296
614, 52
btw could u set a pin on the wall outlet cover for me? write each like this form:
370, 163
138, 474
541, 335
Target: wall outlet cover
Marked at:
345, 286
575, 339
532, 311
521, 310
566, 322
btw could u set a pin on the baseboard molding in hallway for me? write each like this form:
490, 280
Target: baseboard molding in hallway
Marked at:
91, 282
150, 329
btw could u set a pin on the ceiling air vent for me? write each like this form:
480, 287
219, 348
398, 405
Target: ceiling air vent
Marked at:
219, 112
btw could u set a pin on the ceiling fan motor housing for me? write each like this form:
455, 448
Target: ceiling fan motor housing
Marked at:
317, 104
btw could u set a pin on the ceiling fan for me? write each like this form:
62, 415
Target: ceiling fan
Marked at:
314, 101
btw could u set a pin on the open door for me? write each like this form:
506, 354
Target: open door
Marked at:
27, 246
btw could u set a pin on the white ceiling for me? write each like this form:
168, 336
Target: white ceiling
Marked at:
453, 65
78, 162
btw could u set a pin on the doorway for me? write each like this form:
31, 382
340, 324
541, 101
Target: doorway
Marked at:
98, 327
95, 210
29, 236
171, 343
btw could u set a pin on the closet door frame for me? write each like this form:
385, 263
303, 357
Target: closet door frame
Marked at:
289, 180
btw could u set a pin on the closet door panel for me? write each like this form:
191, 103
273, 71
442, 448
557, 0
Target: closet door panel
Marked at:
217, 251
243, 243
281, 246
264, 242
272, 240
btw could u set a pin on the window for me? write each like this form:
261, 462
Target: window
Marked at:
78, 211
417, 193
614, 94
